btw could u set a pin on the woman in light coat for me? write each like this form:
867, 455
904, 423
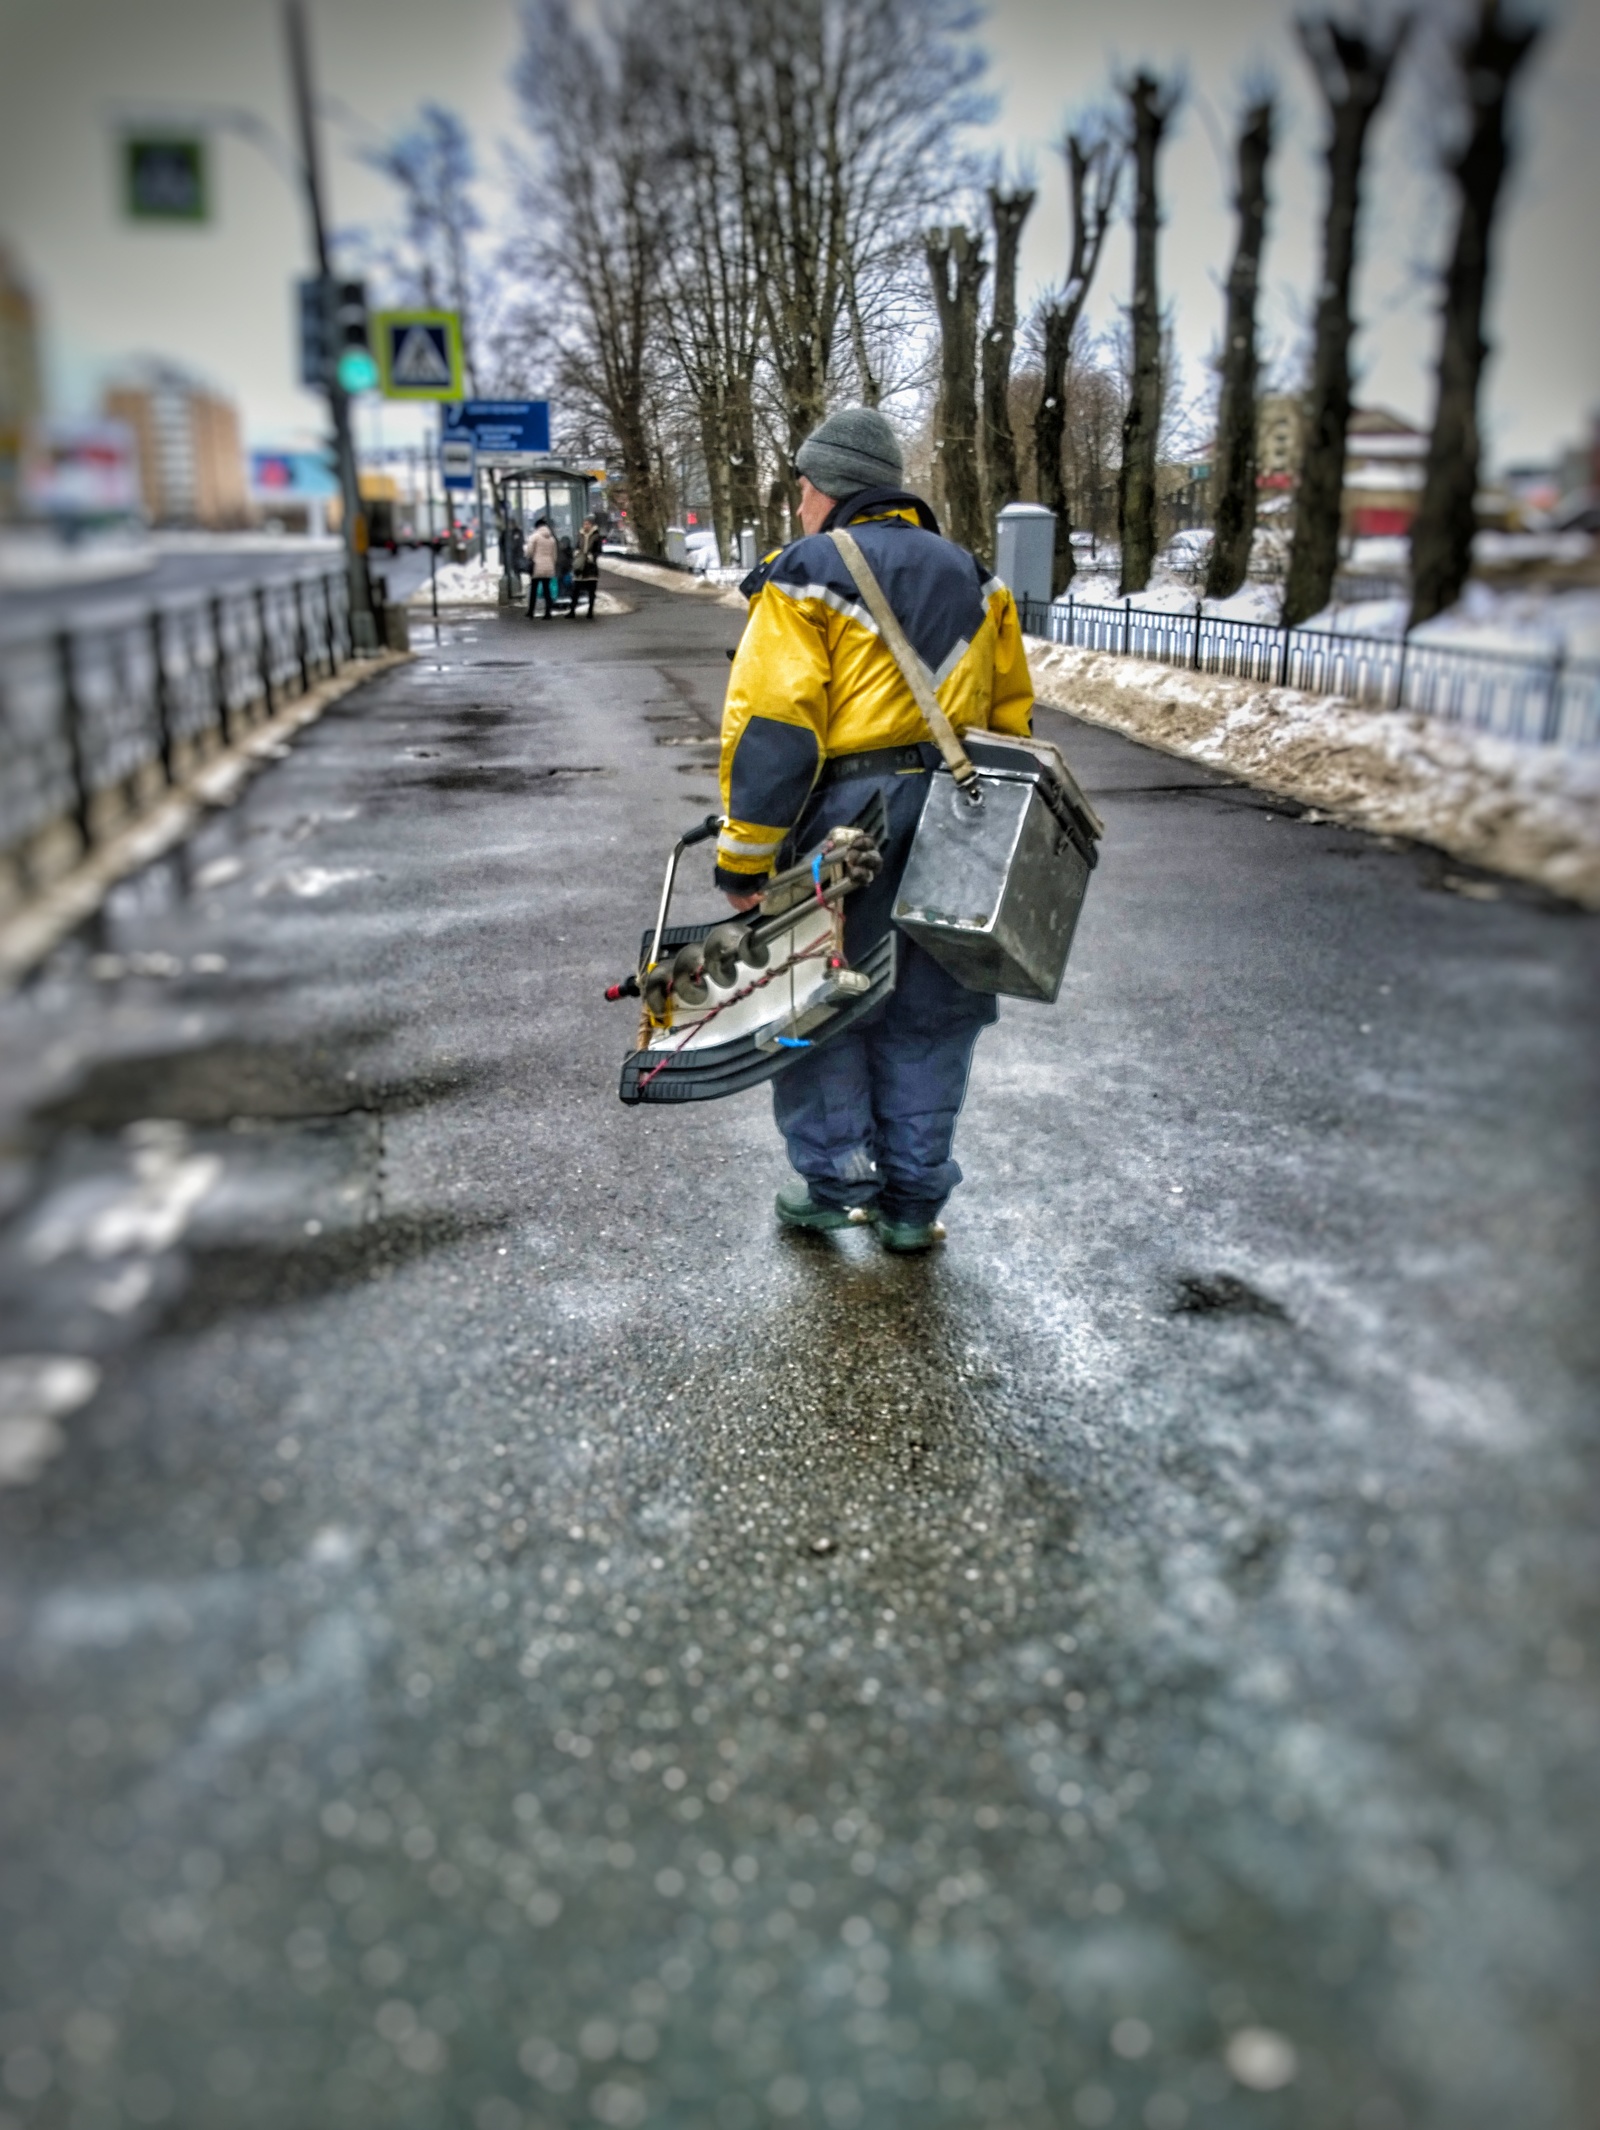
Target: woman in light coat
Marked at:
543, 561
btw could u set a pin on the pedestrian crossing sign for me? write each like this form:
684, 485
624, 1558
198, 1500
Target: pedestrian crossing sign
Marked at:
419, 354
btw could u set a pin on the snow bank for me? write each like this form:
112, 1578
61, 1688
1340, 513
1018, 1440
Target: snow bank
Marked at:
1531, 812
706, 584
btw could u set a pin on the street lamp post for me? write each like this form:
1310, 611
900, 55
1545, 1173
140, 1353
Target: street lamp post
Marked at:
363, 627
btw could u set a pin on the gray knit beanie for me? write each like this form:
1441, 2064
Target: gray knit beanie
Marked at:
853, 449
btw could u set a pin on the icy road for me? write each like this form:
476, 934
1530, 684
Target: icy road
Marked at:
497, 1637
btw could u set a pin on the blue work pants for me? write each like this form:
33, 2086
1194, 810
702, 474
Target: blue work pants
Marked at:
869, 1115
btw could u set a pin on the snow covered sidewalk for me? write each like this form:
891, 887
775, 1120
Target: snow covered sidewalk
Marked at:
703, 584
1532, 812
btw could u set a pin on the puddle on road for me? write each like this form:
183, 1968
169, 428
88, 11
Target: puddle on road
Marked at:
1223, 1294
214, 1083
104, 1243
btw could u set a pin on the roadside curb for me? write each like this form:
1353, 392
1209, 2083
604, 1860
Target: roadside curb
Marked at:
28, 935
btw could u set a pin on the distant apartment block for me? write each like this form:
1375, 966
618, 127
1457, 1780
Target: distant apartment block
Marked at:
1384, 461
191, 464
1385, 457
1280, 439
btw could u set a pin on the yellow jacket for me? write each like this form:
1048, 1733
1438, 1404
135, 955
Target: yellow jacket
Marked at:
813, 678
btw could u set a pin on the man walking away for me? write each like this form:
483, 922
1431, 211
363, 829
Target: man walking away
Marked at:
543, 560
818, 717
586, 566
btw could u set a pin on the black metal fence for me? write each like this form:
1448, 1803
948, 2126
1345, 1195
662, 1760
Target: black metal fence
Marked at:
1555, 701
97, 719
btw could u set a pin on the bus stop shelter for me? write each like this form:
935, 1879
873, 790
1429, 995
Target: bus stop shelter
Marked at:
527, 487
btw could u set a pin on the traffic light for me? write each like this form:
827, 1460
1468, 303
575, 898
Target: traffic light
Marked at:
354, 362
316, 360
334, 343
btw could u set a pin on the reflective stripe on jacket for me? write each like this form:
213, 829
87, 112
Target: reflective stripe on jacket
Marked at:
813, 677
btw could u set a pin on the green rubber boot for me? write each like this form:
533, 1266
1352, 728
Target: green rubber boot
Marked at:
796, 1208
907, 1237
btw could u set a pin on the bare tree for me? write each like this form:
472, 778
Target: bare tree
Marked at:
1096, 401
846, 112
1352, 70
728, 216
1008, 211
1094, 167
711, 310
595, 230
1489, 56
956, 267
1234, 472
433, 165
1150, 108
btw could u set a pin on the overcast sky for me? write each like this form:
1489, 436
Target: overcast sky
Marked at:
219, 299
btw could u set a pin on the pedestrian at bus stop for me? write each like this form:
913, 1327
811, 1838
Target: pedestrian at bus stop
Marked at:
818, 718
586, 566
544, 568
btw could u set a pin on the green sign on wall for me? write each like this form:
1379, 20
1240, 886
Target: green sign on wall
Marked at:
164, 178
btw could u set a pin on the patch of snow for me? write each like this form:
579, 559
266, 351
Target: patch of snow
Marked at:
462, 584
1530, 812
37, 1391
103, 1218
310, 881
1498, 549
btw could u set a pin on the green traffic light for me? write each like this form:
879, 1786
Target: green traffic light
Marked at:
358, 372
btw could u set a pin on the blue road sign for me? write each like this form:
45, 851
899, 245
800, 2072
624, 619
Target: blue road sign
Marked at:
458, 462
497, 425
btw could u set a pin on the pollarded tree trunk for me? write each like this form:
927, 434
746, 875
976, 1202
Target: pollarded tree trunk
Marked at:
1049, 430
1234, 474
956, 267
1008, 211
714, 450
775, 525
1149, 109
744, 471
1094, 167
1352, 72
1441, 539
645, 511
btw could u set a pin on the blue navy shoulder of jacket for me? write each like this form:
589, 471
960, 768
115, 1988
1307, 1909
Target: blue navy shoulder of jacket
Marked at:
751, 584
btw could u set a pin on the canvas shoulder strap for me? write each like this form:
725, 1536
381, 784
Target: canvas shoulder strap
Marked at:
912, 669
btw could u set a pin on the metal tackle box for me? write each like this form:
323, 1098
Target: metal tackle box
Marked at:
993, 891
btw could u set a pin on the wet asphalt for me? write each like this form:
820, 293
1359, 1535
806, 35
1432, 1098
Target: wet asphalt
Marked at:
510, 1639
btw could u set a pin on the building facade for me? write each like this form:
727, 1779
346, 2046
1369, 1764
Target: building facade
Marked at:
1384, 463
191, 464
